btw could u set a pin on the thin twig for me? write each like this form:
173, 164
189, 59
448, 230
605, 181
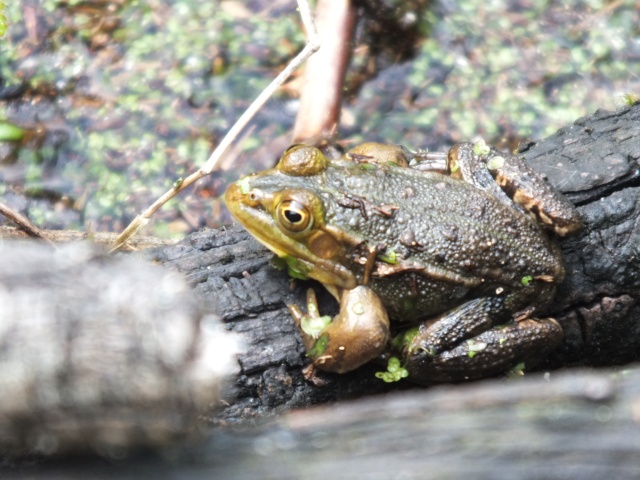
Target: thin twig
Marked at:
22, 222
313, 44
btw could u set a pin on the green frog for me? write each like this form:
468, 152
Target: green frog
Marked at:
457, 258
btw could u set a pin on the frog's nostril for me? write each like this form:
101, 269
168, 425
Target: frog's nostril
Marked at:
255, 195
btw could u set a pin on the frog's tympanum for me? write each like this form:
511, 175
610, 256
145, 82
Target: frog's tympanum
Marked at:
459, 262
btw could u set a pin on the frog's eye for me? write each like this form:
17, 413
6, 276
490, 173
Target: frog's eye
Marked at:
294, 216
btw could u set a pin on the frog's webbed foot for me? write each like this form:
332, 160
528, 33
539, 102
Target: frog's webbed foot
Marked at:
463, 345
358, 334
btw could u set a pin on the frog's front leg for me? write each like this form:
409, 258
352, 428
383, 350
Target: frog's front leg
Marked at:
463, 344
356, 335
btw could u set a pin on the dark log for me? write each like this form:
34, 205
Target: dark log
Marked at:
594, 162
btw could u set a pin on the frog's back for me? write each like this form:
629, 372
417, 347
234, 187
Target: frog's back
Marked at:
445, 224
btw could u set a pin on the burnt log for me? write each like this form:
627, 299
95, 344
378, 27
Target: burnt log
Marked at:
595, 162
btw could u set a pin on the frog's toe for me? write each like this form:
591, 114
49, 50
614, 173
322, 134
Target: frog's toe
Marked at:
493, 352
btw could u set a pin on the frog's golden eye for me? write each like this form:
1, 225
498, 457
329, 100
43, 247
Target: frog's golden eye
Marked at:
294, 216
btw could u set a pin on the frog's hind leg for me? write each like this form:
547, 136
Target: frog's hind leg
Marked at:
464, 345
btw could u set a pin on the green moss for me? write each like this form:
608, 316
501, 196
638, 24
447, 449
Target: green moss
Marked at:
394, 373
509, 74
3, 19
179, 73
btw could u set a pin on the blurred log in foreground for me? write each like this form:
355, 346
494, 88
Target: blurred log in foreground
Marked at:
574, 425
102, 354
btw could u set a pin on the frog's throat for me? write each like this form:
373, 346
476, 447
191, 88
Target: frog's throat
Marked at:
260, 224
324, 271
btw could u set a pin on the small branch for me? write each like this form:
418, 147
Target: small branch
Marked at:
313, 44
102, 239
321, 95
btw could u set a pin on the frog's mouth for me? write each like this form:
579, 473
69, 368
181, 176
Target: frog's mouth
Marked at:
302, 262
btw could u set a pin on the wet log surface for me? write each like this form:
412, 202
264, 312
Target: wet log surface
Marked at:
574, 425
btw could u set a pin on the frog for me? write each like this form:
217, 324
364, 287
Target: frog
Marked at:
444, 272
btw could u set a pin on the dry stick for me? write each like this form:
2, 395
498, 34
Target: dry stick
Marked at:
313, 44
22, 222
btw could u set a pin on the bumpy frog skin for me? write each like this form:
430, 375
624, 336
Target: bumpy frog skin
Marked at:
456, 262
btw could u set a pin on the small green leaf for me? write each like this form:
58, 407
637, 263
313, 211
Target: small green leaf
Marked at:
395, 371
296, 268
10, 132
313, 326
481, 148
389, 256
368, 166
495, 163
475, 347
178, 183
384, 376
517, 371
297, 274
319, 347
526, 280
404, 339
